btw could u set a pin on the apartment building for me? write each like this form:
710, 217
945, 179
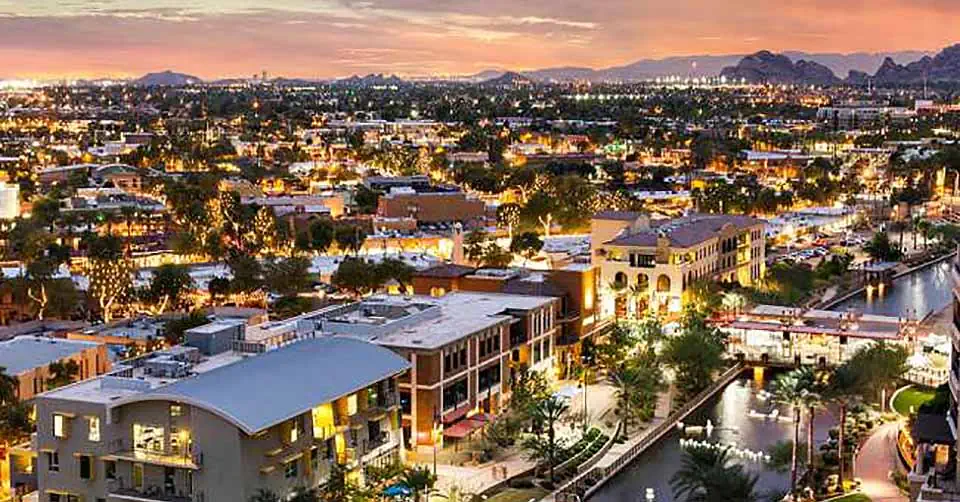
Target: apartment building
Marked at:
649, 264
576, 286
464, 349
28, 359
434, 206
206, 424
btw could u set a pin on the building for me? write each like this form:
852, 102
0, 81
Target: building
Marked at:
431, 207
651, 264
464, 349
9, 201
576, 286
28, 359
185, 424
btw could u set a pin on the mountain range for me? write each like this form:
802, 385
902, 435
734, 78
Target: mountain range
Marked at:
767, 67
902, 67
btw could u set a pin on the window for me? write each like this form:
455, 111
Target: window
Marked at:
93, 429
86, 467
59, 426
53, 461
294, 430
405, 402
110, 469
176, 410
315, 458
290, 469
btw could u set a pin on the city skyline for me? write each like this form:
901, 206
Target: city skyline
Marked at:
331, 38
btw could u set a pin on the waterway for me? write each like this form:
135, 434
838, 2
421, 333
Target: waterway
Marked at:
729, 412
913, 296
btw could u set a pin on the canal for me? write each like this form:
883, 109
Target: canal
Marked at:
734, 416
914, 296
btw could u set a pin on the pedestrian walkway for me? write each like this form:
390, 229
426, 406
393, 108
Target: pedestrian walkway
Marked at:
875, 462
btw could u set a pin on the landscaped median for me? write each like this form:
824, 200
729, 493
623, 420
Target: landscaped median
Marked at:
907, 400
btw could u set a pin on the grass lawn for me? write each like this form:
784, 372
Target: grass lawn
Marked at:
911, 397
518, 495
854, 497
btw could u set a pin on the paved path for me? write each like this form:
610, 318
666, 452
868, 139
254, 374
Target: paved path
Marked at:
876, 460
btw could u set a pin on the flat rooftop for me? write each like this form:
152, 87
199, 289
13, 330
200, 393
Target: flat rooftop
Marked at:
424, 322
25, 353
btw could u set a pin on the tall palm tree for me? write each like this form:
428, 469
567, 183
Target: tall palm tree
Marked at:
815, 383
790, 389
843, 389
706, 475
547, 413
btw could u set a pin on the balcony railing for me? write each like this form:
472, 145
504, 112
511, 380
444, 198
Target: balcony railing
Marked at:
120, 489
183, 459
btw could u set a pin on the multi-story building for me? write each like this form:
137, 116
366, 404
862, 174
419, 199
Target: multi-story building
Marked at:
204, 425
464, 349
28, 359
654, 262
576, 286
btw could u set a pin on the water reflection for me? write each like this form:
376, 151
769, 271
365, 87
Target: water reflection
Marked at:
915, 295
730, 414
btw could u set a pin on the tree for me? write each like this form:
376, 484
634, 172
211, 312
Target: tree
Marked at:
843, 390
880, 248
474, 244
395, 269
247, 273
707, 475
321, 235
527, 244
62, 373
356, 275
168, 286
695, 354
790, 389
287, 276
878, 367
546, 412
508, 215
218, 287
349, 238
420, 481
637, 383
174, 329
110, 282
495, 256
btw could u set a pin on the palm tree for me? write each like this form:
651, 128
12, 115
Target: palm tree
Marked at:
706, 475
790, 390
8, 387
62, 373
843, 389
546, 412
420, 481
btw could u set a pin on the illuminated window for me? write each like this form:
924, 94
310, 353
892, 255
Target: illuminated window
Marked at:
176, 410
93, 429
352, 405
290, 469
323, 421
148, 438
295, 430
59, 426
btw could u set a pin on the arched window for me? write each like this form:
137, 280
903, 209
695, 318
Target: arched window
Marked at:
663, 284
620, 280
643, 282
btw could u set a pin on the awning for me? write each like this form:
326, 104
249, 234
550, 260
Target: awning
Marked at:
456, 414
931, 428
463, 428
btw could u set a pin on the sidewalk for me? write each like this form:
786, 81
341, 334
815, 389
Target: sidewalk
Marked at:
876, 460
601, 401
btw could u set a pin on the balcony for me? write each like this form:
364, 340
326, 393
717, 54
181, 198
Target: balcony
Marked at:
117, 491
166, 459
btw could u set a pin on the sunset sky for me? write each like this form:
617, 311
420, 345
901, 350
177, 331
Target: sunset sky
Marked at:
327, 38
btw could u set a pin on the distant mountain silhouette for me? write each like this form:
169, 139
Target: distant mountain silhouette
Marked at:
372, 80
509, 79
943, 67
769, 68
167, 79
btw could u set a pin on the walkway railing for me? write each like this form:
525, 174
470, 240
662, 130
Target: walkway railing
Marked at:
587, 483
